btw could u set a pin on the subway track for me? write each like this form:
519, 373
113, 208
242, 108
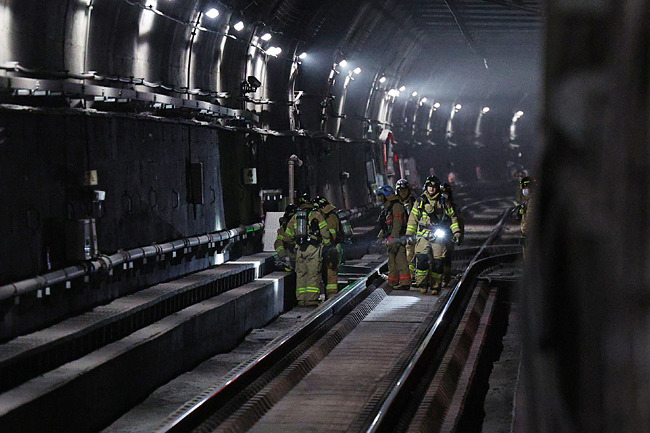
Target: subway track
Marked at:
371, 359
327, 369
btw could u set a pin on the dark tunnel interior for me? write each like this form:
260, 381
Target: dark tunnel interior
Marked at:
164, 119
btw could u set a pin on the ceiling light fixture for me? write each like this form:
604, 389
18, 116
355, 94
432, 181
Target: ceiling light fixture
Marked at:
239, 26
212, 13
414, 94
266, 37
382, 80
357, 70
343, 63
401, 89
485, 110
303, 56
393, 92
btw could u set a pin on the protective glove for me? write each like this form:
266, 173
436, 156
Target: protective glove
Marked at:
456, 238
409, 240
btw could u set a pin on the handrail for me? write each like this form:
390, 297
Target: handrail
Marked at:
105, 263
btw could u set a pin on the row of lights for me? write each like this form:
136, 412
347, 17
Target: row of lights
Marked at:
213, 13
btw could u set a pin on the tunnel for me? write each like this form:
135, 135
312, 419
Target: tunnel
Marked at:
145, 140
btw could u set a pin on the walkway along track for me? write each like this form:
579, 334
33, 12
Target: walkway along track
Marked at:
335, 373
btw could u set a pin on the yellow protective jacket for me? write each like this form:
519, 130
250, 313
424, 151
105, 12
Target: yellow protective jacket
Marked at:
333, 223
429, 211
407, 202
317, 227
527, 213
395, 219
283, 246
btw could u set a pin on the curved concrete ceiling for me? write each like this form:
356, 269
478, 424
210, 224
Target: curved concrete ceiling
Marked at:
453, 50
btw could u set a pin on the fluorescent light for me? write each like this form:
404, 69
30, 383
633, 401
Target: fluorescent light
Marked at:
414, 94
393, 92
382, 80
357, 70
401, 89
266, 37
212, 13
302, 56
239, 26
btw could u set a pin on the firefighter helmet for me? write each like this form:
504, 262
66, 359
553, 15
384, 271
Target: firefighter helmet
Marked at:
291, 209
304, 198
402, 184
527, 182
320, 202
385, 190
446, 188
432, 180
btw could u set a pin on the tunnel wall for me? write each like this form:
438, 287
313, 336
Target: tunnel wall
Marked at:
141, 163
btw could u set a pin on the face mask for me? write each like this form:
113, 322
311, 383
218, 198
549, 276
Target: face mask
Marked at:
525, 192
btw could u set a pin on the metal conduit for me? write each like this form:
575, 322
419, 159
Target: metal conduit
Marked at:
106, 263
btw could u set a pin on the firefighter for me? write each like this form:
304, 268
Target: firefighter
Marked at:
393, 220
405, 196
308, 230
286, 250
527, 187
432, 225
332, 253
446, 192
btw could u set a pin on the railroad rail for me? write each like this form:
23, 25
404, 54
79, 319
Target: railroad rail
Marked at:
251, 393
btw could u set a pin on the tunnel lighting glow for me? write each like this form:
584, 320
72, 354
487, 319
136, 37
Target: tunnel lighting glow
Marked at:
266, 37
357, 70
212, 13
414, 94
382, 80
239, 26
302, 56
436, 105
147, 17
423, 100
343, 63
274, 51
393, 92
401, 89
485, 110
458, 107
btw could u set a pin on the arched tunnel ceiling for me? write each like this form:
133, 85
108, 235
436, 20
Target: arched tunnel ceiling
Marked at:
463, 48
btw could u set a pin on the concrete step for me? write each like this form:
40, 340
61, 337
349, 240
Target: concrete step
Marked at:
90, 392
28, 356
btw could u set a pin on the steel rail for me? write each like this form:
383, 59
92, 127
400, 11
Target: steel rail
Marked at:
191, 417
399, 394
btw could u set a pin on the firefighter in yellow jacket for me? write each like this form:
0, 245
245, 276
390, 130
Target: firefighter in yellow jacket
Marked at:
527, 187
393, 221
432, 225
332, 253
403, 190
286, 250
308, 229
446, 192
